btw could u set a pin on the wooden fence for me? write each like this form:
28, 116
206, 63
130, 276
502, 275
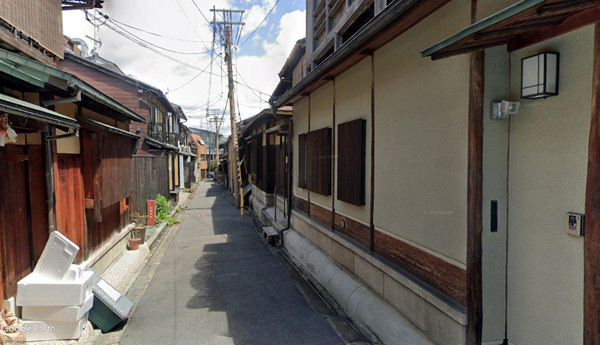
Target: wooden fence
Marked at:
150, 176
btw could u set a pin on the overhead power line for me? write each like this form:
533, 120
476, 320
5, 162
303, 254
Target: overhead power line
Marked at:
153, 33
261, 23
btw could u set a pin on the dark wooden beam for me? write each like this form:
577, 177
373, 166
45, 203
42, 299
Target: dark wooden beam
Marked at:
592, 212
372, 182
474, 199
573, 22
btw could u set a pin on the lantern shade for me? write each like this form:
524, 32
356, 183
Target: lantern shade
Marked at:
539, 76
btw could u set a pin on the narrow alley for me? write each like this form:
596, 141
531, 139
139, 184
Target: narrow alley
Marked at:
219, 284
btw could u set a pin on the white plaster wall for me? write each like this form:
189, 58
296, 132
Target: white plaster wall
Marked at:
547, 179
421, 113
300, 126
495, 155
321, 116
353, 101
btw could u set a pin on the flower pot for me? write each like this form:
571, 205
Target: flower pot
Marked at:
134, 243
139, 232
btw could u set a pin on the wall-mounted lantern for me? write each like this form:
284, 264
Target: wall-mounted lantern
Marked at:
539, 76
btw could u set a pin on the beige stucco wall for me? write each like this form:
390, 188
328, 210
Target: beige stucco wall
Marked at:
485, 8
67, 145
353, 101
321, 116
548, 167
495, 155
421, 113
300, 127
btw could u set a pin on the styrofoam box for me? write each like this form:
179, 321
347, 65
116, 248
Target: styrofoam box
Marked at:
54, 330
35, 291
73, 273
58, 313
57, 256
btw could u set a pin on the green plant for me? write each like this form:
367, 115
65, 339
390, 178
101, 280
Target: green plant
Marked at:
163, 206
178, 209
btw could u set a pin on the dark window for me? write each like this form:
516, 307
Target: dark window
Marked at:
351, 162
318, 147
302, 161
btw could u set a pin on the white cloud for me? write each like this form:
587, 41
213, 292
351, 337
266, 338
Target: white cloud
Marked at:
260, 72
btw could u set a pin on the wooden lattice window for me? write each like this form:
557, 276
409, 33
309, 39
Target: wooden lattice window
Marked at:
351, 162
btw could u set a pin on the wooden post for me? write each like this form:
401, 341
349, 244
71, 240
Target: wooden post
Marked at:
474, 198
592, 212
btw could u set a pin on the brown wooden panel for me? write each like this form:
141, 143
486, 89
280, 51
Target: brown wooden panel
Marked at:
70, 201
100, 232
37, 199
318, 147
351, 162
149, 178
355, 230
445, 277
321, 214
302, 161
15, 226
301, 204
591, 309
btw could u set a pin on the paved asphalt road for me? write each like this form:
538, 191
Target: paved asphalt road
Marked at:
219, 284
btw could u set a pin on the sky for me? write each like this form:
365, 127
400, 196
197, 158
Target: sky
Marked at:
180, 30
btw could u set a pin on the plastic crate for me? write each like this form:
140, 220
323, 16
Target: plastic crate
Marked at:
110, 306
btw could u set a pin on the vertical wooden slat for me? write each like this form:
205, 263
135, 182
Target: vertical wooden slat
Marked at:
591, 335
302, 161
37, 199
474, 199
351, 162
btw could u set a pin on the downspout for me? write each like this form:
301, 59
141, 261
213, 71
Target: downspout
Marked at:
48, 160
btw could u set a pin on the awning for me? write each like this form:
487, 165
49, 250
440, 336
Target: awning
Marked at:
108, 128
519, 25
160, 144
40, 75
18, 107
282, 127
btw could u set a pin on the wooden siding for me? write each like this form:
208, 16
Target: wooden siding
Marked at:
70, 200
41, 20
37, 199
441, 275
99, 232
355, 230
351, 162
147, 180
122, 92
14, 218
116, 168
319, 161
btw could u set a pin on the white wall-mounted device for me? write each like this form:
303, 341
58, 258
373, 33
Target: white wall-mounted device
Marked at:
575, 224
504, 109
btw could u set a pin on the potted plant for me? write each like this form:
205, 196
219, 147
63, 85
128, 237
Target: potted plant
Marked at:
138, 233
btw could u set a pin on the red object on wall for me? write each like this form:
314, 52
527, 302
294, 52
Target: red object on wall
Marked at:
151, 220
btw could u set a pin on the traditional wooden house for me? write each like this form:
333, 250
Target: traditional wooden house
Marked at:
410, 175
68, 168
156, 163
264, 148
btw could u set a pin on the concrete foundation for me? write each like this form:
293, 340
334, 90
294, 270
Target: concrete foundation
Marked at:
402, 307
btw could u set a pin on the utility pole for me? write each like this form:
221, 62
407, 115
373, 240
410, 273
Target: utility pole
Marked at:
228, 24
217, 121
